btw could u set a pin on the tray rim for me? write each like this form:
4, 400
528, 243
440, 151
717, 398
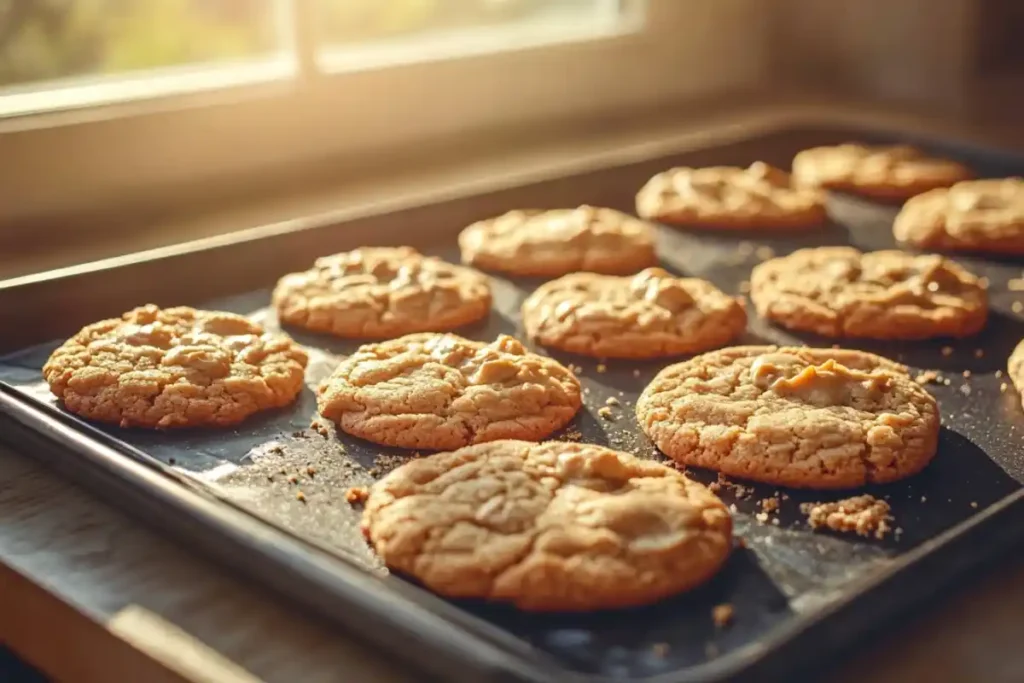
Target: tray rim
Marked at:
491, 659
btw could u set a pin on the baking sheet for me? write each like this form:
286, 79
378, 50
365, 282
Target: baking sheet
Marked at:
785, 570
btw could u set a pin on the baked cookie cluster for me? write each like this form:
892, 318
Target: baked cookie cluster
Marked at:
500, 514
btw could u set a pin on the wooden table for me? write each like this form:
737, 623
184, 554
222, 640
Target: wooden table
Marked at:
87, 594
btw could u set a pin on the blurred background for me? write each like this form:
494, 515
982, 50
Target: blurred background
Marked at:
133, 124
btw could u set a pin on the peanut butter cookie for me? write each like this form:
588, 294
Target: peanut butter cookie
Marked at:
801, 417
547, 527
648, 315
440, 391
552, 243
175, 367
726, 197
376, 292
1015, 365
976, 215
841, 292
893, 173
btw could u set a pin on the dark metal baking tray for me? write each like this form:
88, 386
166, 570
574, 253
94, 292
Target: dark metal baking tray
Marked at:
798, 595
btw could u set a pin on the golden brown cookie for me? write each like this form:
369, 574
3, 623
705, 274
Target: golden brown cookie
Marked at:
842, 292
440, 391
892, 173
175, 367
548, 527
376, 292
801, 417
1015, 366
725, 197
552, 243
975, 215
648, 315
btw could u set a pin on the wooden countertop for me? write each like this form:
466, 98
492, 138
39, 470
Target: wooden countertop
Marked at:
87, 594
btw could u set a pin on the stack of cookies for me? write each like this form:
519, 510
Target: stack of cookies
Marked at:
501, 514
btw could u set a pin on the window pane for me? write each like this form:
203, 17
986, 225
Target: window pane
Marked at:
44, 40
353, 22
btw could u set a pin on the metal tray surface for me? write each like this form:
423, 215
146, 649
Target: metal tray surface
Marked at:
785, 579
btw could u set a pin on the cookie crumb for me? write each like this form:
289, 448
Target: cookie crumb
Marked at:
574, 435
722, 615
660, 649
1015, 284
764, 252
999, 373
967, 374
761, 517
606, 413
924, 499
1002, 388
979, 353
947, 351
1017, 307
311, 471
865, 515
300, 496
770, 505
356, 495
636, 372
612, 401
745, 248
602, 368
974, 504
926, 377
292, 479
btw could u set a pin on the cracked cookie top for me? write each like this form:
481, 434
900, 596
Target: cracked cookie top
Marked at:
792, 416
647, 315
548, 527
552, 243
975, 215
440, 391
842, 292
175, 367
723, 197
375, 292
895, 172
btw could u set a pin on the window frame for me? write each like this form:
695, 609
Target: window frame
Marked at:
140, 155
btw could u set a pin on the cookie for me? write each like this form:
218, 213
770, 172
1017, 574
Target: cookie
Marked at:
726, 197
1015, 366
539, 243
792, 416
377, 292
441, 392
547, 527
975, 215
175, 367
648, 315
890, 173
842, 292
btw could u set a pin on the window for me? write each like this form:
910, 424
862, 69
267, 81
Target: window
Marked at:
129, 107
